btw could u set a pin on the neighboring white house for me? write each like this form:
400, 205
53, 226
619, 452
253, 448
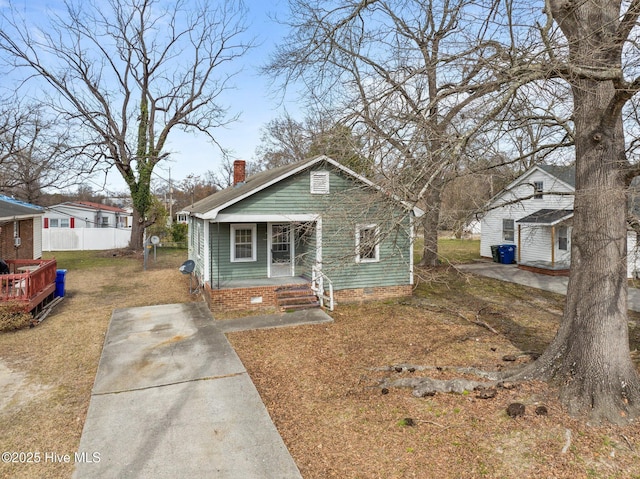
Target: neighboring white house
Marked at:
84, 225
534, 213
182, 217
85, 214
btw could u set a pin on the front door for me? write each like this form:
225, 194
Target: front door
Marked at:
281, 263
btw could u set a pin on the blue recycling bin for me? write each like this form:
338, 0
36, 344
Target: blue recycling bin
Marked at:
60, 279
507, 253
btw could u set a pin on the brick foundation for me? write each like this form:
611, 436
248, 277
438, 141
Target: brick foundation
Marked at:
377, 293
240, 299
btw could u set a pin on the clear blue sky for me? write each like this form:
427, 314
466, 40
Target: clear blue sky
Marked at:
252, 99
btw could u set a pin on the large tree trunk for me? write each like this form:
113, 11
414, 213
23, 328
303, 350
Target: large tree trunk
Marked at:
430, 222
136, 242
589, 357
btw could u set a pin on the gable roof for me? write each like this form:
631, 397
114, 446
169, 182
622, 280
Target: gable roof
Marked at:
208, 208
13, 209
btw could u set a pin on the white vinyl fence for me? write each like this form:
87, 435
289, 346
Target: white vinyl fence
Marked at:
79, 239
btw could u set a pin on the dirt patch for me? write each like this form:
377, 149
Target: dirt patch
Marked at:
17, 390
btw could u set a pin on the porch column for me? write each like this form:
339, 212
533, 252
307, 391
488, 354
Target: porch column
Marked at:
553, 246
519, 243
319, 243
207, 253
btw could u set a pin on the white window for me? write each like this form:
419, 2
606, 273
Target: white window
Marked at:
538, 187
319, 182
243, 243
367, 243
64, 222
53, 223
508, 230
563, 238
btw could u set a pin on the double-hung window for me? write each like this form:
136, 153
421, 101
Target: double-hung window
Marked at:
538, 190
367, 243
508, 230
563, 238
243, 243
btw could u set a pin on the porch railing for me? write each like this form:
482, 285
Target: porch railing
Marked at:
318, 279
27, 279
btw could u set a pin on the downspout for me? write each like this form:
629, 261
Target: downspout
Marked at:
218, 256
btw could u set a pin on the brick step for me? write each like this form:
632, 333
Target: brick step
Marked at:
307, 299
296, 297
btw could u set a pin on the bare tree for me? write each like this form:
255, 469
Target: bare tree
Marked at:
592, 47
36, 152
129, 72
418, 79
285, 140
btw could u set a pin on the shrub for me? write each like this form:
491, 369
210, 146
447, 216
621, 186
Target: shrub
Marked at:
179, 232
13, 316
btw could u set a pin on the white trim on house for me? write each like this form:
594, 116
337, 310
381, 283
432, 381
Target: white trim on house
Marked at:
206, 260
411, 247
319, 243
254, 242
292, 256
376, 247
255, 218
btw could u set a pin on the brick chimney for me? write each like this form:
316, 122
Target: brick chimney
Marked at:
239, 167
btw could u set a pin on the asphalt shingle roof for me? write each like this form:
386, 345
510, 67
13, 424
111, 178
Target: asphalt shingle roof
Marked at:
563, 173
546, 217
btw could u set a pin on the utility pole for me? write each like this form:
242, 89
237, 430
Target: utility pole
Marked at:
170, 200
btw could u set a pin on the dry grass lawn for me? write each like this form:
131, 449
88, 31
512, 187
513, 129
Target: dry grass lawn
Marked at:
49, 370
320, 383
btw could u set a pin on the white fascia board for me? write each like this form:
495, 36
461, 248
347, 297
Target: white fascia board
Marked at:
274, 218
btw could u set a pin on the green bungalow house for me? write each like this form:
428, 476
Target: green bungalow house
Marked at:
305, 231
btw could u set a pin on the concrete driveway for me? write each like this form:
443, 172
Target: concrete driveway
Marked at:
172, 399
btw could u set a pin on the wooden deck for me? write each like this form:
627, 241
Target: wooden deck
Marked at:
30, 281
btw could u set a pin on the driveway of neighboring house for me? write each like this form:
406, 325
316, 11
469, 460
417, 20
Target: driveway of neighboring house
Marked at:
512, 274
172, 399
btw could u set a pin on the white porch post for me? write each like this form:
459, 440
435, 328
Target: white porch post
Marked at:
207, 254
411, 241
319, 243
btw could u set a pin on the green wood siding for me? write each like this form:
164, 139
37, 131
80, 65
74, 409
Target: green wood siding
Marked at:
222, 268
348, 204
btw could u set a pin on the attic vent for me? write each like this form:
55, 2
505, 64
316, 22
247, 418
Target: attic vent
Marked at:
319, 182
